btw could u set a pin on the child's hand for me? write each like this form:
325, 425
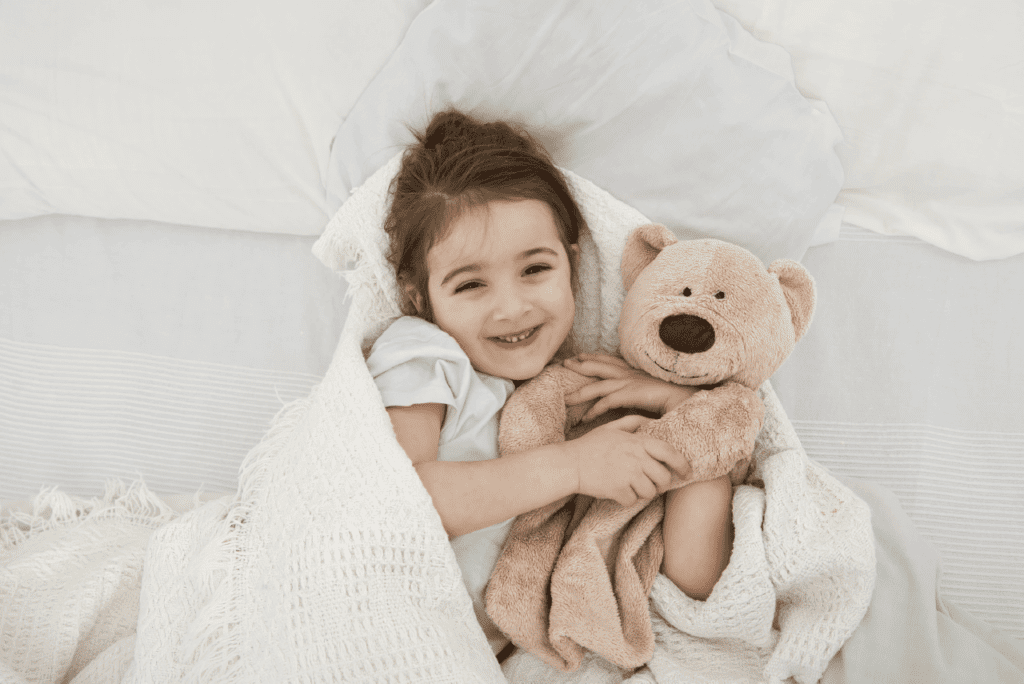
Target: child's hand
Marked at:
622, 386
613, 463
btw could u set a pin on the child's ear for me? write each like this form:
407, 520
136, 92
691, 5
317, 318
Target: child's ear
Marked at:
413, 298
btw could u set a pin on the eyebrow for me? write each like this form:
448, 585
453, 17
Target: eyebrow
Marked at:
472, 268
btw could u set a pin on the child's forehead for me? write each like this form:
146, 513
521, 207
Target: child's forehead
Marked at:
499, 229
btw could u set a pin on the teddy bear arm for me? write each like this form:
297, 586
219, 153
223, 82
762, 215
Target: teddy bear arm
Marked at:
715, 430
536, 414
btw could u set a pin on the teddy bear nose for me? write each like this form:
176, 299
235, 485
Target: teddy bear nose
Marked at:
687, 334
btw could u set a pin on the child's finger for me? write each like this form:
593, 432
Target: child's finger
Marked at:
667, 454
604, 358
658, 474
625, 497
628, 423
597, 369
604, 405
594, 390
622, 396
645, 489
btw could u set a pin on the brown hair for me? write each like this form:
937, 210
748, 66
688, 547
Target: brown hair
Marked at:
459, 163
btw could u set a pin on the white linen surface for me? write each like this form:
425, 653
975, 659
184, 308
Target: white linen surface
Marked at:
910, 376
930, 99
912, 631
216, 114
132, 348
671, 106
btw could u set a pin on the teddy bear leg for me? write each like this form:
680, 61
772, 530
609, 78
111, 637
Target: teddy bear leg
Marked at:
698, 535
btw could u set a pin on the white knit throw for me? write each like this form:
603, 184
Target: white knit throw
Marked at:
331, 564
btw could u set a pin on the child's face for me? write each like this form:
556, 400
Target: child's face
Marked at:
500, 284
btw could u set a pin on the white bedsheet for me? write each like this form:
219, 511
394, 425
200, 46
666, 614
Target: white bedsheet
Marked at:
910, 376
216, 114
930, 99
133, 348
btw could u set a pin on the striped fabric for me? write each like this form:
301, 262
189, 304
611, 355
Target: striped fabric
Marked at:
964, 490
78, 417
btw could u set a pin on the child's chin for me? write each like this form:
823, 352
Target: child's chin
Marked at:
521, 374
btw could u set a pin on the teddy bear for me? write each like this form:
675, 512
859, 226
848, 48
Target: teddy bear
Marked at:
576, 574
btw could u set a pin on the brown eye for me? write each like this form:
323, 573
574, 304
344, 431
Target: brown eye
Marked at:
469, 285
687, 292
719, 295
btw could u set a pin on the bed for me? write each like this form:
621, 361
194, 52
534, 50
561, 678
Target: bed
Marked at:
164, 317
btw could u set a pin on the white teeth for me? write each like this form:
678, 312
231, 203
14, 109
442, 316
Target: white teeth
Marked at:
517, 338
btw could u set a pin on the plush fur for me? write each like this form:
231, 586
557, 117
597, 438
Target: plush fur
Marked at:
576, 574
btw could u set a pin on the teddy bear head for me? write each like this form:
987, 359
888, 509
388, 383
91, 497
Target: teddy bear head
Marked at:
698, 312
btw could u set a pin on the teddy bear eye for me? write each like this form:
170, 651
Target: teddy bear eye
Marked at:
719, 295
686, 292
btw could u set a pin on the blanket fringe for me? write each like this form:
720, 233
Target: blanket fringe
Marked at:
215, 641
52, 509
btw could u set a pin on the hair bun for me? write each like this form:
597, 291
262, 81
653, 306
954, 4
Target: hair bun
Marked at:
445, 127
433, 139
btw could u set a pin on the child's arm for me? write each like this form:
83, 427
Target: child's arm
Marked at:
698, 535
697, 527
610, 462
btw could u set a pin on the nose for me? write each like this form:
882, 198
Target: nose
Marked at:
687, 334
511, 303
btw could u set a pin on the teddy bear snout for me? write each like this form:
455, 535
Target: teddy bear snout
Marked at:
687, 334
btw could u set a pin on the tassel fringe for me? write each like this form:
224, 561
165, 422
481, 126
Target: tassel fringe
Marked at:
52, 509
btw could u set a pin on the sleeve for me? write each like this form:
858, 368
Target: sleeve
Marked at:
415, 362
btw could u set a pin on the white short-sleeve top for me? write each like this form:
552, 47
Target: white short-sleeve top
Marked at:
415, 362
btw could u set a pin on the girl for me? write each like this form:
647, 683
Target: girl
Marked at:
483, 237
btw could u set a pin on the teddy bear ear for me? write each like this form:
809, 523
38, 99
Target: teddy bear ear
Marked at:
643, 246
798, 287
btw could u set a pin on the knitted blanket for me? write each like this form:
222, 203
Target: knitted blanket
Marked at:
330, 563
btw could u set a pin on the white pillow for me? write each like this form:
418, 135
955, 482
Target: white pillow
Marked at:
930, 98
671, 106
203, 113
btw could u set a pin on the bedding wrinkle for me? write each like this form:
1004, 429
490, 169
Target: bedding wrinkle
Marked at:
926, 113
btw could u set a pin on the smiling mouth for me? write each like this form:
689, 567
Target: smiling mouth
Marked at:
517, 337
669, 370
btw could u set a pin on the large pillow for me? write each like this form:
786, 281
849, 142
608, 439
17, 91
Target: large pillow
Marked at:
670, 105
214, 113
930, 99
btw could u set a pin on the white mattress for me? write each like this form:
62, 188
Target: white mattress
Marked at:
132, 348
